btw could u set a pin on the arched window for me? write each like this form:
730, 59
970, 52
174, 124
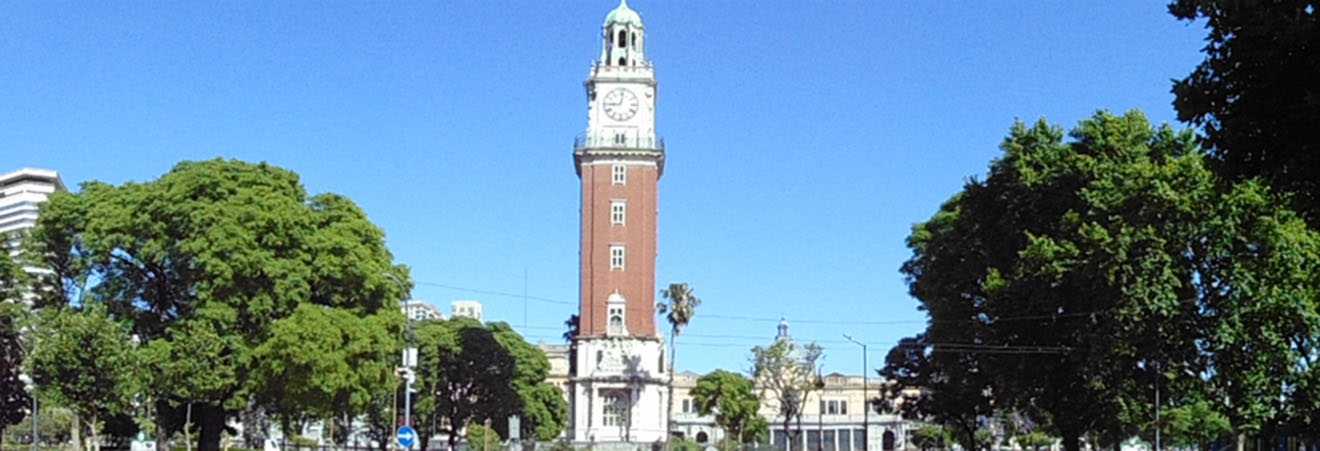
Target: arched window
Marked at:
623, 62
623, 38
888, 440
702, 437
634, 40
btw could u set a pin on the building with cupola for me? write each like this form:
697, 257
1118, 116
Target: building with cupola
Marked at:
618, 383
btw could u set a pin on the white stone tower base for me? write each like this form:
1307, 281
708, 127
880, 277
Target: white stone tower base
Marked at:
619, 391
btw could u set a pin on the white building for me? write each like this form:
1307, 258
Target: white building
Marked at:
466, 309
20, 193
417, 310
834, 417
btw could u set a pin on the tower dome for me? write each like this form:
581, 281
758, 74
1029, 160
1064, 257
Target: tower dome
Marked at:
623, 15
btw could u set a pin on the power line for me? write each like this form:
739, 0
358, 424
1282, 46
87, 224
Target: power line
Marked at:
494, 293
773, 319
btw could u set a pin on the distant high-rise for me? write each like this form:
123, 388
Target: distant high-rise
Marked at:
417, 310
465, 309
20, 193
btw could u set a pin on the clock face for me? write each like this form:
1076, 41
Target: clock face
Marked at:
620, 104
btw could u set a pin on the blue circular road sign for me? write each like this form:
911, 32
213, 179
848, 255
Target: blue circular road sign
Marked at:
406, 436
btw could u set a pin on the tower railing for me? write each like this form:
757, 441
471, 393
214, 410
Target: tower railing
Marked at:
597, 141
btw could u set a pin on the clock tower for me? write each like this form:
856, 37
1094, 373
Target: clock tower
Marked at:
619, 380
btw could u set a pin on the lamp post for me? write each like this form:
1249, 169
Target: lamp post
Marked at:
31, 387
866, 402
409, 355
820, 414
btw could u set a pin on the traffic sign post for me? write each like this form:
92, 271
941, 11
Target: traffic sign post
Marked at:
406, 437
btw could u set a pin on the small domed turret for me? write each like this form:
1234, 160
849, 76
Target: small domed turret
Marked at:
624, 15
622, 35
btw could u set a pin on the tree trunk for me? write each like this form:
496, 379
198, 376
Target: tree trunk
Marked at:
75, 432
187, 427
94, 437
453, 434
669, 410
1069, 441
212, 423
424, 437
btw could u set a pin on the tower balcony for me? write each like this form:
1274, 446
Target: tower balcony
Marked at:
642, 71
590, 147
587, 141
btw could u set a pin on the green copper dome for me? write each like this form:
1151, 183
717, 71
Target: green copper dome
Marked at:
624, 15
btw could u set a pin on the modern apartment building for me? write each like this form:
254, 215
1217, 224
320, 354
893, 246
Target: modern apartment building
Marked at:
418, 310
21, 192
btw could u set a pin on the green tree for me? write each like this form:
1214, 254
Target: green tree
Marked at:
947, 388
544, 412
1193, 425
1086, 273
15, 402
1034, 440
84, 360
326, 363
732, 399
930, 436
984, 439
679, 310
378, 420
234, 245
466, 373
190, 362
53, 427
1257, 93
481, 437
788, 373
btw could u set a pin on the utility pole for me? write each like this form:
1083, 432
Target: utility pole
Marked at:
866, 401
820, 414
409, 355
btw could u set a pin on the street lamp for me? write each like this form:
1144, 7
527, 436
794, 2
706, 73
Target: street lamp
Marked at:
820, 415
31, 387
866, 402
409, 356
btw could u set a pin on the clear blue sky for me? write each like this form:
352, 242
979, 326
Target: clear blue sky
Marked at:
804, 138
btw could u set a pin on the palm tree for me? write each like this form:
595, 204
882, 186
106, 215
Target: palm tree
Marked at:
682, 305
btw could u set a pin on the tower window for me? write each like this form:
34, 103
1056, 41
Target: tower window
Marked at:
617, 257
620, 174
623, 38
618, 212
615, 409
634, 40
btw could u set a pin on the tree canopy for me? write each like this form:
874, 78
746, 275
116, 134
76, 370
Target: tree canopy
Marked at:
469, 373
733, 400
788, 372
1257, 93
85, 361
1091, 272
15, 402
216, 251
